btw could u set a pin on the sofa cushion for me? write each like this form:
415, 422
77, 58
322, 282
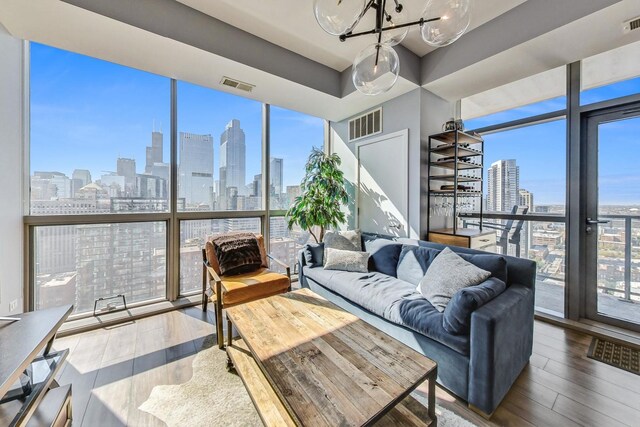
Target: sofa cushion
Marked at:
385, 255
414, 261
390, 298
448, 274
314, 254
350, 240
457, 314
337, 259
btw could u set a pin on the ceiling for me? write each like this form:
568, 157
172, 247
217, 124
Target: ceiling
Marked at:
292, 25
296, 65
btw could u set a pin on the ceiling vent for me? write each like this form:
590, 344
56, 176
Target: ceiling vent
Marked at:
237, 84
631, 25
365, 125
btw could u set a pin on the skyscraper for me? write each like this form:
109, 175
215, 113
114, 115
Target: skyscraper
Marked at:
257, 185
154, 152
83, 176
195, 171
275, 176
232, 160
525, 198
79, 179
503, 186
127, 169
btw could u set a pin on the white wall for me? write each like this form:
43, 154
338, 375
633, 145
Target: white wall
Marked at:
11, 172
419, 111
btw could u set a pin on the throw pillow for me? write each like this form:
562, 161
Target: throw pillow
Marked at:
384, 255
457, 314
313, 254
346, 240
237, 253
263, 251
447, 274
212, 259
338, 259
495, 264
414, 261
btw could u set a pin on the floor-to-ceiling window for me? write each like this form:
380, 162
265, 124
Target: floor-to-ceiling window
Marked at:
524, 124
110, 145
99, 147
219, 169
293, 136
524, 129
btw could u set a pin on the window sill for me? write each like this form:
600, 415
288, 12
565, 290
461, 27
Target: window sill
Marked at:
110, 319
596, 329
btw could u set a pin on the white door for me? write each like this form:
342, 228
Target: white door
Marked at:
383, 185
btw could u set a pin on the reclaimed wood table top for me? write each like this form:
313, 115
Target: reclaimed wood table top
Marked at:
327, 366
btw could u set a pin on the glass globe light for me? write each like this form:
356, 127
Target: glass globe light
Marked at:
375, 69
396, 36
454, 20
338, 17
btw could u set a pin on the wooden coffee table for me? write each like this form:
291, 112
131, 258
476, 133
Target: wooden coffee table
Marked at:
307, 362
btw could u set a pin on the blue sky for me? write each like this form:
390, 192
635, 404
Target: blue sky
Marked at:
85, 113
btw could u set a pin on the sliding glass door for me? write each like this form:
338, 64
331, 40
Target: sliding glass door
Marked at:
612, 223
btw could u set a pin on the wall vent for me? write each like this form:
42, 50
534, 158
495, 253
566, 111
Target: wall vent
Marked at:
237, 84
365, 125
631, 25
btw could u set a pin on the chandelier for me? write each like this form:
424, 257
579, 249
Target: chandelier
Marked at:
376, 67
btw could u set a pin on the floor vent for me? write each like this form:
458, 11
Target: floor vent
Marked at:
237, 84
365, 125
631, 25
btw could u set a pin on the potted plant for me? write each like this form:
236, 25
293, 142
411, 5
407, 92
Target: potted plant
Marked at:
323, 193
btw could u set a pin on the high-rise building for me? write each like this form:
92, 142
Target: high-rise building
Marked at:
113, 259
195, 171
503, 186
50, 186
232, 161
154, 152
79, 178
293, 191
275, 176
257, 185
525, 198
127, 169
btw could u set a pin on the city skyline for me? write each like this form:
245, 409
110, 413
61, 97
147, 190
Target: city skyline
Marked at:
126, 104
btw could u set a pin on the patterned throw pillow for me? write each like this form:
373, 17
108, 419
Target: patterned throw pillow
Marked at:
338, 259
446, 275
346, 240
350, 240
237, 253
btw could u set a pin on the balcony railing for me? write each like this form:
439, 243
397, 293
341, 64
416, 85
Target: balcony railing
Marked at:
545, 243
627, 293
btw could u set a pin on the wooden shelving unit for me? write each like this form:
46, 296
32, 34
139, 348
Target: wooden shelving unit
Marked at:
454, 158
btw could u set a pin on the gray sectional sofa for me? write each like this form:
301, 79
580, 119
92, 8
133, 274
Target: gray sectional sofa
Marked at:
482, 359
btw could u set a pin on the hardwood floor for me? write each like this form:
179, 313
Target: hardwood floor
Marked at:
113, 371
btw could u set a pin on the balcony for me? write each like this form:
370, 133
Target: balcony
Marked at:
542, 238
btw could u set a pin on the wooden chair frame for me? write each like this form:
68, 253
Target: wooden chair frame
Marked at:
214, 281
